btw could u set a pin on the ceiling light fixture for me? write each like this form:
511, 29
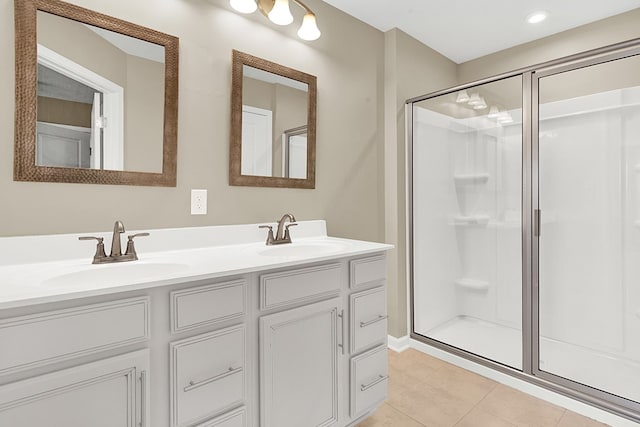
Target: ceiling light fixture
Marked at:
536, 17
279, 13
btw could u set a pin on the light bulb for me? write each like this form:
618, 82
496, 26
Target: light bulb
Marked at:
505, 118
494, 113
474, 100
309, 28
244, 6
280, 14
463, 96
481, 105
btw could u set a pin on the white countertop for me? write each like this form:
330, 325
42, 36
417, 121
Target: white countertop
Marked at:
40, 269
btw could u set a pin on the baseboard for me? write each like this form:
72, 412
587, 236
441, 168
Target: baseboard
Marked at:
398, 344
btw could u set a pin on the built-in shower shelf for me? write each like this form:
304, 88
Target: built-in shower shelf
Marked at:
471, 220
466, 179
472, 284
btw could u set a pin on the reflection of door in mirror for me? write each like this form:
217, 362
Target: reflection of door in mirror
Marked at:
256, 141
63, 146
286, 101
294, 150
67, 106
77, 61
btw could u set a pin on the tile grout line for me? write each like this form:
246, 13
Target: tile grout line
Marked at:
561, 417
478, 403
405, 414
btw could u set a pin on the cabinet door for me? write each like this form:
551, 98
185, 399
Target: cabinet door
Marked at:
299, 365
109, 393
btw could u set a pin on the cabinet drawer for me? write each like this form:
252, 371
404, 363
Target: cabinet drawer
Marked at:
368, 318
369, 380
205, 305
71, 333
299, 285
365, 271
207, 375
235, 418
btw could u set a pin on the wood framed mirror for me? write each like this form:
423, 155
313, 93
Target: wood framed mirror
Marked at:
96, 98
273, 124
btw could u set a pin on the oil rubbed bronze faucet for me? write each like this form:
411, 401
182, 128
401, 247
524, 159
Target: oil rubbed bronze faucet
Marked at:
282, 233
116, 248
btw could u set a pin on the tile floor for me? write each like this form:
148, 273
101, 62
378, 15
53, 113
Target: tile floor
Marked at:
428, 392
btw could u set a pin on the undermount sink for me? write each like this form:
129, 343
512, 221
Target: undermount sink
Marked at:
97, 275
303, 249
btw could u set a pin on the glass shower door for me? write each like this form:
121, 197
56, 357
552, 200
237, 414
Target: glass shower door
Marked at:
467, 189
588, 275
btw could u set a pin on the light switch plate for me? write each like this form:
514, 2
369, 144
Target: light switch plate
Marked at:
198, 202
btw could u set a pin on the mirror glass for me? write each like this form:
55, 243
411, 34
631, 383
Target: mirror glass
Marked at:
100, 98
272, 124
96, 98
272, 107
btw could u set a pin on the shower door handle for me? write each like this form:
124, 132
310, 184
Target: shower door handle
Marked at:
537, 213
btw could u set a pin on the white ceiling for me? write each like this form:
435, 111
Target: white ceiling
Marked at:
466, 29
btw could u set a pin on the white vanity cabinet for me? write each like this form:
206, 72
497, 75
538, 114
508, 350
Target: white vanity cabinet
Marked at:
285, 343
323, 363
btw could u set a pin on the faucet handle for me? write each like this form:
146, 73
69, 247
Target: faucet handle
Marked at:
131, 249
287, 236
100, 254
270, 237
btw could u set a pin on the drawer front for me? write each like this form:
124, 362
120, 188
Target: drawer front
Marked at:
207, 375
205, 305
299, 285
368, 320
235, 418
70, 333
366, 271
369, 380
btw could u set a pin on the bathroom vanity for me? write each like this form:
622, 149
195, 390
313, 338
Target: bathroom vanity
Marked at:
210, 327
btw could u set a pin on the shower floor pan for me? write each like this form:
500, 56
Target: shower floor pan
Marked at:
503, 344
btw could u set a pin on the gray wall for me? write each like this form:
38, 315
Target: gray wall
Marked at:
411, 68
348, 62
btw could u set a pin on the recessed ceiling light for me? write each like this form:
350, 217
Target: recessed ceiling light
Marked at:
535, 17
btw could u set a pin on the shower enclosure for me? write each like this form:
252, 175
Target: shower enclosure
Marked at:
525, 224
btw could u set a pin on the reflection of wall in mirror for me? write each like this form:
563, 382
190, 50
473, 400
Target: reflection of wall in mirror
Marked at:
142, 80
289, 107
144, 102
51, 110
